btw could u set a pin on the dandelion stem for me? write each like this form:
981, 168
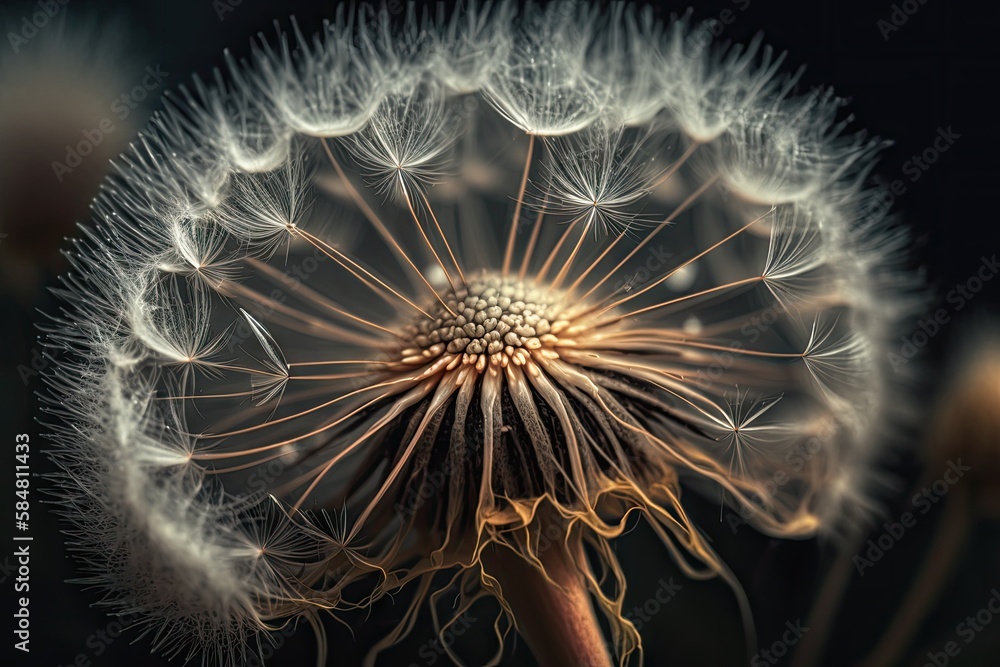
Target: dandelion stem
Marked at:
552, 609
953, 529
824, 610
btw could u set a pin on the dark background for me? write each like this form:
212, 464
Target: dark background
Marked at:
938, 70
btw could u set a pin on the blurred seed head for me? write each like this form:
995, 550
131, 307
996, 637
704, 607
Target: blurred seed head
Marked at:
57, 85
966, 419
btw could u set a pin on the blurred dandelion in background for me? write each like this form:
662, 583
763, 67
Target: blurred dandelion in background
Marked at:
58, 88
375, 310
960, 439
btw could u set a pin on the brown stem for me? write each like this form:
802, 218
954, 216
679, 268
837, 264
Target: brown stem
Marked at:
825, 608
554, 614
953, 529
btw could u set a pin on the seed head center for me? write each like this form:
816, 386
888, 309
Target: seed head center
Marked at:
492, 320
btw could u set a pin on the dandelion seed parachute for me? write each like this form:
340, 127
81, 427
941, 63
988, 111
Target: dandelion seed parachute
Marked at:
429, 279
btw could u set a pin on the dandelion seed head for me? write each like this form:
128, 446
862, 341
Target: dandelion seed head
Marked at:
376, 304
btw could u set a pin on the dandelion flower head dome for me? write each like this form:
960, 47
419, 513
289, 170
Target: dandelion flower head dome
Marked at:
377, 303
